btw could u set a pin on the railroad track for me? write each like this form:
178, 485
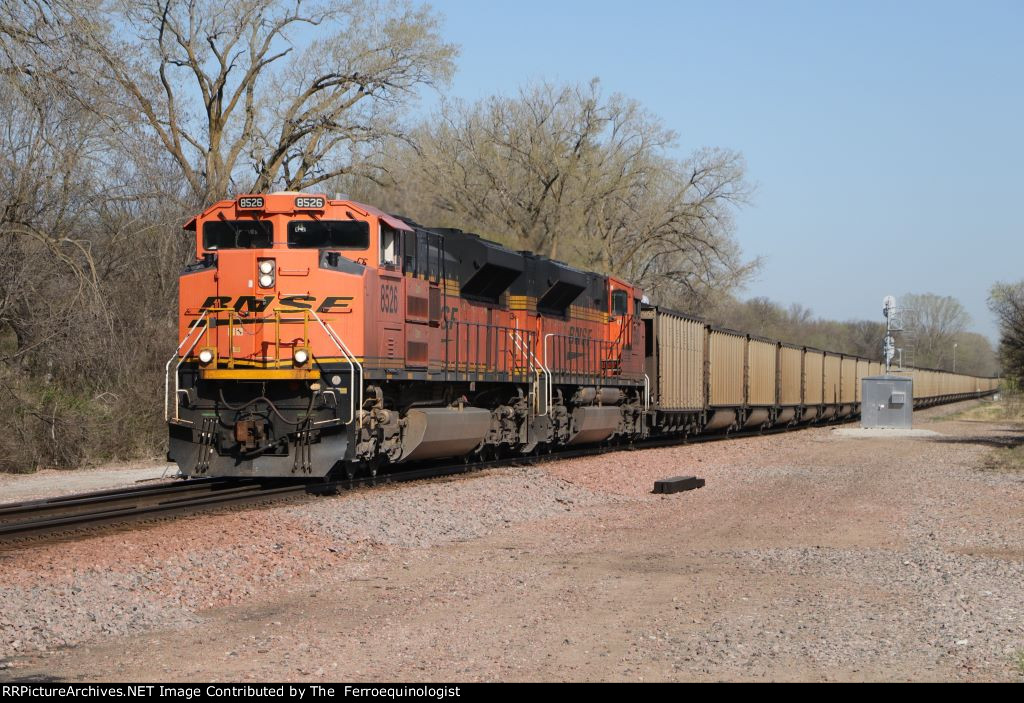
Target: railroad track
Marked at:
79, 514
71, 513
71, 516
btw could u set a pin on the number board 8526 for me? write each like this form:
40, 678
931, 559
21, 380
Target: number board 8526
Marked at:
307, 202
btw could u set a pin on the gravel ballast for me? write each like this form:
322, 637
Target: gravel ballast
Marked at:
807, 555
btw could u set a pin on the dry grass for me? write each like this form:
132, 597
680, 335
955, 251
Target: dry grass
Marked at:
1005, 459
1009, 408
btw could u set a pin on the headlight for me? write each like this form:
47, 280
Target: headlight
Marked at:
266, 280
301, 356
205, 356
266, 266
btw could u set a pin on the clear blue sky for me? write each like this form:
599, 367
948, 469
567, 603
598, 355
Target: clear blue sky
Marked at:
886, 139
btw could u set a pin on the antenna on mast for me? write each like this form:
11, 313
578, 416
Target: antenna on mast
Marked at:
893, 323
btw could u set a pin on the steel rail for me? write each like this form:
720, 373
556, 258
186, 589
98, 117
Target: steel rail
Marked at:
83, 504
85, 511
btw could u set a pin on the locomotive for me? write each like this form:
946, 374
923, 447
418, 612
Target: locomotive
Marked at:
323, 337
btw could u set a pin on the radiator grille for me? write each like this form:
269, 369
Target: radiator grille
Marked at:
416, 351
417, 307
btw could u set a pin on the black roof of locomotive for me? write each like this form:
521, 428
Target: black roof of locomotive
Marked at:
485, 270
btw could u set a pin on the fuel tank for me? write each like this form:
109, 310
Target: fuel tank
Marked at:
432, 433
594, 424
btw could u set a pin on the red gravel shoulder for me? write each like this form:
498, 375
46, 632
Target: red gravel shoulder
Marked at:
807, 556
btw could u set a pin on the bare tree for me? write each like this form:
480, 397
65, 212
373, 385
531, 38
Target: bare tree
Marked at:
934, 321
975, 355
1006, 300
515, 167
47, 157
565, 172
90, 245
244, 95
51, 283
798, 325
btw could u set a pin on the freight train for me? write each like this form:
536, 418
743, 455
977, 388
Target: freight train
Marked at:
323, 337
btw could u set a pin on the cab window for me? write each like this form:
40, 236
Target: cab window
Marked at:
329, 234
238, 234
389, 246
620, 303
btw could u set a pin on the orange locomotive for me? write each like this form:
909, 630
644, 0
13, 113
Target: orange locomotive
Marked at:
322, 336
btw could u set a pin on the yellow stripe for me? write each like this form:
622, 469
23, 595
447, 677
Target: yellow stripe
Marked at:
581, 313
248, 363
259, 374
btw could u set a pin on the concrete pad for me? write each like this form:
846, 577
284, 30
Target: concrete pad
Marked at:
883, 432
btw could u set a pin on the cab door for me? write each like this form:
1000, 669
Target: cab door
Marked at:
620, 327
391, 315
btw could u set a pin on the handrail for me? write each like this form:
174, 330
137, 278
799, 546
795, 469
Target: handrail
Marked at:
276, 319
167, 367
353, 365
496, 348
538, 368
547, 366
595, 353
350, 359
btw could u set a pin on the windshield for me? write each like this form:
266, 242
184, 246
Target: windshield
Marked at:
238, 234
329, 234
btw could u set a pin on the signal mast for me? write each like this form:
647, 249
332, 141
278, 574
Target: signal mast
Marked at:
893, 323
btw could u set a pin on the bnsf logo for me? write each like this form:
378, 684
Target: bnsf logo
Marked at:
253, 303
389, 299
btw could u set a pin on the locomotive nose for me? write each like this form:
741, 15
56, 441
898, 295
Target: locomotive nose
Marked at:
247, 281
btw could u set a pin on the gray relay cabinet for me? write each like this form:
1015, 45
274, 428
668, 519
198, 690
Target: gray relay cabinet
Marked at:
887, 401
